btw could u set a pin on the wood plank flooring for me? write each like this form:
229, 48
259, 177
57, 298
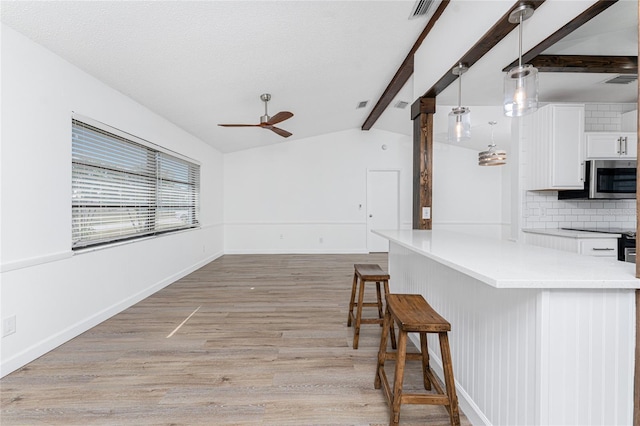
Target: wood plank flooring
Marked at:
266, 344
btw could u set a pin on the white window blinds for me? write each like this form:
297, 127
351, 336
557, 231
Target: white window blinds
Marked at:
122, 189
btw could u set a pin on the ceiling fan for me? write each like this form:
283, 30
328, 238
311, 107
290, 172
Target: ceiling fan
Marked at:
267, 122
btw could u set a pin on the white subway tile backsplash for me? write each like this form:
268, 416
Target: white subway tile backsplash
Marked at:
542, 209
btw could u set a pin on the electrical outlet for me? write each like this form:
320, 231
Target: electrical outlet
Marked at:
8, 326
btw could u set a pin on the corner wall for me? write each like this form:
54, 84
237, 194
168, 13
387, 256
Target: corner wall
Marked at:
54, 293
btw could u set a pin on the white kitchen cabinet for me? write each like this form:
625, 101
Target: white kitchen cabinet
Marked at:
612, 146
554, 141
587, 243
602, 247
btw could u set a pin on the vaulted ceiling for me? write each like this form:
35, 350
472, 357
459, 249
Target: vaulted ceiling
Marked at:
201, 63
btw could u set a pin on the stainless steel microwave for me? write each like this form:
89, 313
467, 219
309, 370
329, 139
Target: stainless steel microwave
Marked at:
606, 179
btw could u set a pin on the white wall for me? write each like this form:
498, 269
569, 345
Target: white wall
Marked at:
467, 197
56, 294
283, 198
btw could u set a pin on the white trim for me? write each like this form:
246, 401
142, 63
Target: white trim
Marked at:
294, 223
296, 251
55, 257
35, 261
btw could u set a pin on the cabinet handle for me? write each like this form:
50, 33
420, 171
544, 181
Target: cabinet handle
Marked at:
582, 172
625, 146
619, 145
602, 249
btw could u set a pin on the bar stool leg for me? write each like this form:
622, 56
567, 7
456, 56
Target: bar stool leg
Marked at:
353, 298
424, 349
401, 356
447, 365
356, 332
379, 300
382, 352
393, 333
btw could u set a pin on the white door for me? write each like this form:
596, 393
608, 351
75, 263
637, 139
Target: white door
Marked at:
383, 201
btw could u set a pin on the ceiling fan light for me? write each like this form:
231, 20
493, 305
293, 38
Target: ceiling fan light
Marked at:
520, 91
459, 124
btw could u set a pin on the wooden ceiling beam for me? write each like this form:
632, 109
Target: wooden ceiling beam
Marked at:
593, 11
586, 64
404, 72
492, 37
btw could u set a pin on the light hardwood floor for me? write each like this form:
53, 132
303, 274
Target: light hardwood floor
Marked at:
267, 345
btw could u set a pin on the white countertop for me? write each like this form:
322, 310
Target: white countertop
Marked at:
567, 233
507, 264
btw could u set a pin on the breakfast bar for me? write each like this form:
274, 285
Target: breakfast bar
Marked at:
538, 336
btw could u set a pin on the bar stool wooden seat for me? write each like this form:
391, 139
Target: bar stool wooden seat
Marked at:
412, 314
367, 273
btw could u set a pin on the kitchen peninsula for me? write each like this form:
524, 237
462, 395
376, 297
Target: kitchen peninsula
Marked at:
539, 336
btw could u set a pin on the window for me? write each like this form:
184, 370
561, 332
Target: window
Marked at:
124, 188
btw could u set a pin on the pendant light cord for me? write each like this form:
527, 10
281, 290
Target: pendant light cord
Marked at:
459, 90
520, 41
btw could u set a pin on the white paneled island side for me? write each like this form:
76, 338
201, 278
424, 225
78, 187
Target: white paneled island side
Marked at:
539, 336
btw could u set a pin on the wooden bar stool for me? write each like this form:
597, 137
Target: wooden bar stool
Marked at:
367, 273
413, 314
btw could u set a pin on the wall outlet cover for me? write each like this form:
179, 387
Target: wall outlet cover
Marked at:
426, 212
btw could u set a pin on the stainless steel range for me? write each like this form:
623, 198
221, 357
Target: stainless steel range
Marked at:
626, 243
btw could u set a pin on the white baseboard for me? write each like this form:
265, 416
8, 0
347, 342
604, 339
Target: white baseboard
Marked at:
297, 251
37, 350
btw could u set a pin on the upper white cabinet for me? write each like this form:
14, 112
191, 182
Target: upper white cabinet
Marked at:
554, 140
605, 145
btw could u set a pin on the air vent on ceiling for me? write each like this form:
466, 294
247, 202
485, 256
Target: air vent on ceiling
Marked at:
401, 104
622, 79
362, 104
424, 8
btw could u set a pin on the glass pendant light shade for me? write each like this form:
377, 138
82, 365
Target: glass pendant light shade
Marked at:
459, 124
521, 82
459, 117
520, 91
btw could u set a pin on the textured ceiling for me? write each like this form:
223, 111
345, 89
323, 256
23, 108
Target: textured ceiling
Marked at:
200, 63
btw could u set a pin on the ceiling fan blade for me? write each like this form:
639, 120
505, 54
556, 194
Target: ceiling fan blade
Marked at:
279, 131
239, 125
281, 116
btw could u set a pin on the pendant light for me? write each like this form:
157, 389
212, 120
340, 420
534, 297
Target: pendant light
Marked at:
459, 117
521, 82
492, 157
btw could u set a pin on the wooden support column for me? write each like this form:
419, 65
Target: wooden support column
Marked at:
422, 112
